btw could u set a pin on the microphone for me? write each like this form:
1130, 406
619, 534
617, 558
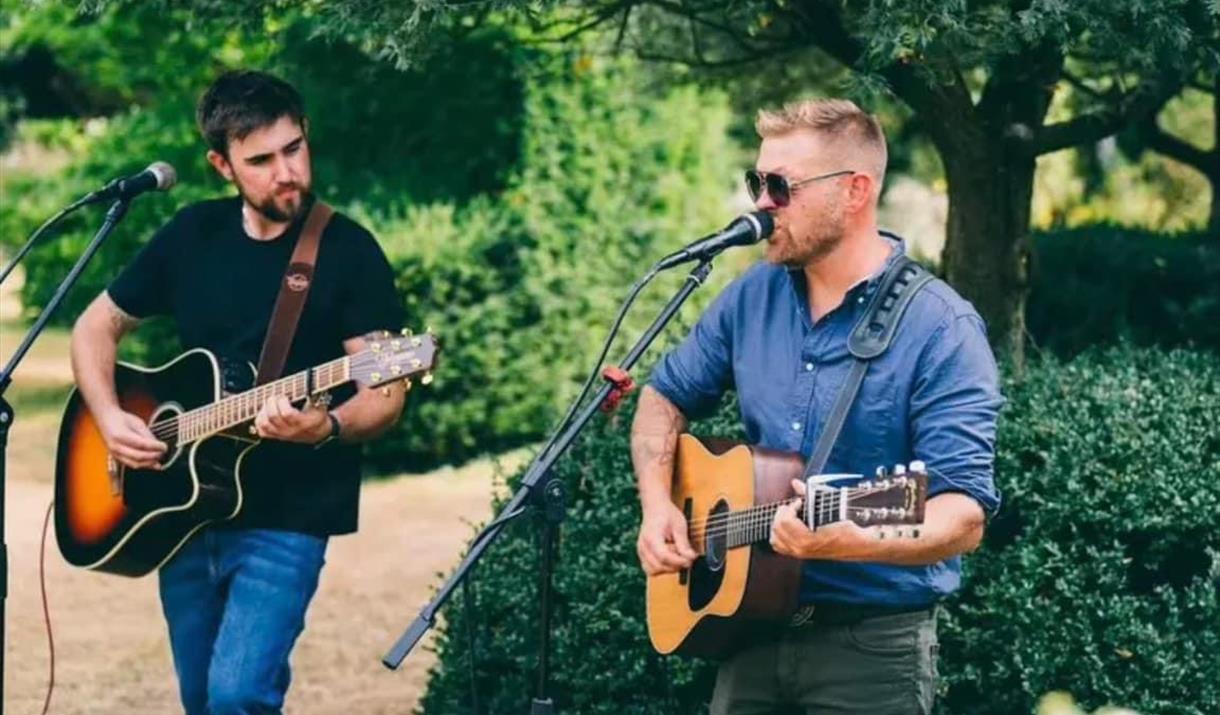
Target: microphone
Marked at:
743, 231
159, 176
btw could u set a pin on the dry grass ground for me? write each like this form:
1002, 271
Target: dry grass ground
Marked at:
112, 654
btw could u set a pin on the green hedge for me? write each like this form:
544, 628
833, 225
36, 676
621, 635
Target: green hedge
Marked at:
522, 288
1098, 577
1101, 284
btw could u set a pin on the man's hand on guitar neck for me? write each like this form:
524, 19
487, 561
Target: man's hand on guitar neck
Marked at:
842, 541
278, 419
953, 524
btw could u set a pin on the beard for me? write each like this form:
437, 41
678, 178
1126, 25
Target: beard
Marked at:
826, 235
280, 209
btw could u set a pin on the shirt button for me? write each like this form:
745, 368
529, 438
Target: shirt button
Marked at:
796, 426
808, 367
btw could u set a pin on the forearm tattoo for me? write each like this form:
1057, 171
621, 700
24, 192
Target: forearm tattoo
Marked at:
654, 434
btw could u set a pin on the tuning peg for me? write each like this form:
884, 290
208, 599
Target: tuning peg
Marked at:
406, 332
375, 347
881, 473
900, 469
376, 377
919, 467
395, 344
428, 330
385, 334
407, 384
395, 370
426, 379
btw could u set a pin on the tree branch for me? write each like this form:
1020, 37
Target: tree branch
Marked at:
824, 24
1145, 100
1162, 142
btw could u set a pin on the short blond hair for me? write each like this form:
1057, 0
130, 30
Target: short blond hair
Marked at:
839, 120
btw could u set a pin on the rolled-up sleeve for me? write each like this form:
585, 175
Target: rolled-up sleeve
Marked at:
696, 374
955, 402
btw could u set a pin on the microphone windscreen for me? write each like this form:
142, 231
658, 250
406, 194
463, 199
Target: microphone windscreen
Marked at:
765, 221
166, 176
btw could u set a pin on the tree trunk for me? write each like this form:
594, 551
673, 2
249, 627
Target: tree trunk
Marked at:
986, 256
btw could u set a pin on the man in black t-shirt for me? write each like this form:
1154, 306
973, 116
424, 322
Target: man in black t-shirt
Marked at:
235, 595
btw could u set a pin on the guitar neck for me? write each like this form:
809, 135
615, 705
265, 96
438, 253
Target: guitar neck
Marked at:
743, 527
238, 409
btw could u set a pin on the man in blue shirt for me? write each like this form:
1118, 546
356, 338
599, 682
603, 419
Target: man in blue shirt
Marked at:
866, 642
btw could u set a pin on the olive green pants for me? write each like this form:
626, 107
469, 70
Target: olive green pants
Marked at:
884, 665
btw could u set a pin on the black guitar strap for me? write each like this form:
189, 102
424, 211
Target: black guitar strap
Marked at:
869, 339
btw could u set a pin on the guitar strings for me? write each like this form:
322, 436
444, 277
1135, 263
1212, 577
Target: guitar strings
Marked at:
768, 510
755, 532
171, 427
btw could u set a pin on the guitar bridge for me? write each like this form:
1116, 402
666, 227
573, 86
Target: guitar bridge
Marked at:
114, 471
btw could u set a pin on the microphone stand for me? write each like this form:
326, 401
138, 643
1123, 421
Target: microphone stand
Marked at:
113, 216
549, 500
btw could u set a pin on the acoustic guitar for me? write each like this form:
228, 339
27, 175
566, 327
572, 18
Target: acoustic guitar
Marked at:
729, 493
121, 520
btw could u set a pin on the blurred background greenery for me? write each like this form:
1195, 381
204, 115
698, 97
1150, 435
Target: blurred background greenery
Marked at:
521, 164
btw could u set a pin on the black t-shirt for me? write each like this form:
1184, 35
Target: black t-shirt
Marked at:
219, 285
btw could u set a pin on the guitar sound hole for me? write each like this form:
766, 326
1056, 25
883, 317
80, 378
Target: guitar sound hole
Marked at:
707, 573
163, 424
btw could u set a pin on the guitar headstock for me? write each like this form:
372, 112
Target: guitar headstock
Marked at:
390, 357
890, 499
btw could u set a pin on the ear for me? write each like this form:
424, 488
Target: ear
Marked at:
220, 164
860, 192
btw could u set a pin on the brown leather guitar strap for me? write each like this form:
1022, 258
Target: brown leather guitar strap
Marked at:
293, 291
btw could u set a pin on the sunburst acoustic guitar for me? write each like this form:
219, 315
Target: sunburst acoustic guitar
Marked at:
126, 521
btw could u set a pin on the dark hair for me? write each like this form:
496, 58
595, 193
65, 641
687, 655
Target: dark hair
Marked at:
241, 101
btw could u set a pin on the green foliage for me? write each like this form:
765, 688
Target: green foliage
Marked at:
1099, 575
1098, 284
518, 193
522, 288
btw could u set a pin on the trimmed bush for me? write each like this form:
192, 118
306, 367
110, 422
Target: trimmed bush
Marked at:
1100, 284
1099, 576
522, 287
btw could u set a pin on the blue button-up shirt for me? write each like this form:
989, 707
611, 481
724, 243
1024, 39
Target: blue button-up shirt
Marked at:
933, 396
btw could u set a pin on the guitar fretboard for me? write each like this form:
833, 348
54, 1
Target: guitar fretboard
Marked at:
747, 526
237, 409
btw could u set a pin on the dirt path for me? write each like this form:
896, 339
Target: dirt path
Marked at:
112, 654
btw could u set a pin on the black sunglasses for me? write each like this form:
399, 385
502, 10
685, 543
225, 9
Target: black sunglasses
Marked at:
777, 185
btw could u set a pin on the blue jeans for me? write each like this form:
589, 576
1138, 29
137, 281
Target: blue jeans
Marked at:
235, 603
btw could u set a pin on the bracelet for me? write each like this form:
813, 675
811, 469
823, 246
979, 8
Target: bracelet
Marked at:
334, 430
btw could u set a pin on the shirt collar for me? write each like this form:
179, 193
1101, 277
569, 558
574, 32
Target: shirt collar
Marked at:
866, 286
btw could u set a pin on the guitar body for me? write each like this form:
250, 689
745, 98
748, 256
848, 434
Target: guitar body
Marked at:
727, 593
126, 521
